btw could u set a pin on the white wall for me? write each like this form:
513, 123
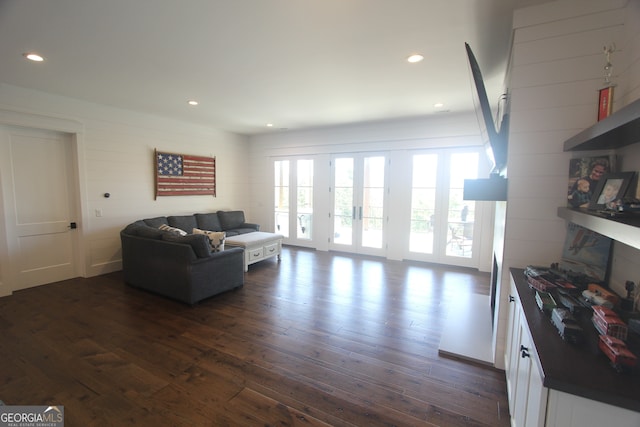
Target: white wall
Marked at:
557, 69
116, 156
398, 137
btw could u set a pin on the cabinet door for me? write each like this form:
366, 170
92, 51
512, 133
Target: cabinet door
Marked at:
530, 399
512, 348
537, 395
522, 362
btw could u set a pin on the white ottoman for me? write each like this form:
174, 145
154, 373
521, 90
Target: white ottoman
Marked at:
257, 246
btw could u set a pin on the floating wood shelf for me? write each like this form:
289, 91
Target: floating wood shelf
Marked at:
620, 129
624, 229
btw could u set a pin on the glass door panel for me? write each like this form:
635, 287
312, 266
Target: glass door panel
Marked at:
423, 203
461, 213
359, 204
293, 200
343, 201
281, 197
371, 210
304, 201
442, 224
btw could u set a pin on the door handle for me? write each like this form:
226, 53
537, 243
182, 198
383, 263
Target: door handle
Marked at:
360, 212
353, 214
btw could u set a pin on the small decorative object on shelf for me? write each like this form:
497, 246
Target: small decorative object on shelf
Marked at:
610, 188
605, 95
626, 304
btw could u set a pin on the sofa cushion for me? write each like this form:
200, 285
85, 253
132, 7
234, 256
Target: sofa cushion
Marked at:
208, 221
183, 222
216, 238
173, 230
231, 219
156, 222
139, 228
199, 243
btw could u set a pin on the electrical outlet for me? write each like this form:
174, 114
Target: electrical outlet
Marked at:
98, 212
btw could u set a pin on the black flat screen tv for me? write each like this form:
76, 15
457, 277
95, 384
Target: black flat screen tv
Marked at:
496, 138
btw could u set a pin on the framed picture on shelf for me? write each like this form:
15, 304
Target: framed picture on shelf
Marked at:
610, 188
586, 252
584, 175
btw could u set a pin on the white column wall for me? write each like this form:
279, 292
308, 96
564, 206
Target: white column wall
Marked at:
556, 71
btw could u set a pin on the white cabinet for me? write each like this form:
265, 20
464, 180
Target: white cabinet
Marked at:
568, 410
527, 395
531, 402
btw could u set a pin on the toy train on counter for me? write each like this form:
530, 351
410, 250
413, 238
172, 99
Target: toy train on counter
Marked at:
566, 325
617, 352
612, 331
607, 322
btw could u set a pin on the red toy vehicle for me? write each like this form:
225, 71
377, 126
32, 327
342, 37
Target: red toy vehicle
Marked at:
539, 283
616, 350
607, 322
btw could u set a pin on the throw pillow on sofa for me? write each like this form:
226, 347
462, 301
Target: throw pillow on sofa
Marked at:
165, 227
216, 238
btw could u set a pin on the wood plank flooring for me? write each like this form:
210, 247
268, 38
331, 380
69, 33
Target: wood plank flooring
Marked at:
317, 339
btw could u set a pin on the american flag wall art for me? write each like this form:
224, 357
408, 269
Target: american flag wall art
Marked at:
184, 175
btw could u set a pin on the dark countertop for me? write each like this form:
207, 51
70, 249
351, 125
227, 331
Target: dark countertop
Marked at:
582, 370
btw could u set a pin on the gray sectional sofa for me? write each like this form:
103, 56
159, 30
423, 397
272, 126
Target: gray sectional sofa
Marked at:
184, 267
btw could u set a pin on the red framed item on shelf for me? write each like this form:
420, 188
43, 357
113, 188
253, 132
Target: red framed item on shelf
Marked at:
605, 102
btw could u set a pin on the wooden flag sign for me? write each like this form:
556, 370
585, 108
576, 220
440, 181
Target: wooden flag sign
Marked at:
183, 175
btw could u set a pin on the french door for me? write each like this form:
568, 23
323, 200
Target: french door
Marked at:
358, 203
442, 225
293, 207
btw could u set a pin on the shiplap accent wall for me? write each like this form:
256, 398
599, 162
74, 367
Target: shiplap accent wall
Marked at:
556, 71
116, 156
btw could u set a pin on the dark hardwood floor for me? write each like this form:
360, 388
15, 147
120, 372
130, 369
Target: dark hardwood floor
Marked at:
317, 339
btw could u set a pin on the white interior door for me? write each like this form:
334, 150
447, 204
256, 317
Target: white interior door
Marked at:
359, 217
37, 175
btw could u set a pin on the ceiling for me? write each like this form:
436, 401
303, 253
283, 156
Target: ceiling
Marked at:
293, 63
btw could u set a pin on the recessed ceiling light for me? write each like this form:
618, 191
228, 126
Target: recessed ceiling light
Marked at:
192, 102
438, 105
415, 58
33, 57
269, 125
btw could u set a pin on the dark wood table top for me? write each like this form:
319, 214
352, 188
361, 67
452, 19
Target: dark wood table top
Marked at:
581, 369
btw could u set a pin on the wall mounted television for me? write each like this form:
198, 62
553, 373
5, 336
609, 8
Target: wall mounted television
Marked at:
495, 141
494, 134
